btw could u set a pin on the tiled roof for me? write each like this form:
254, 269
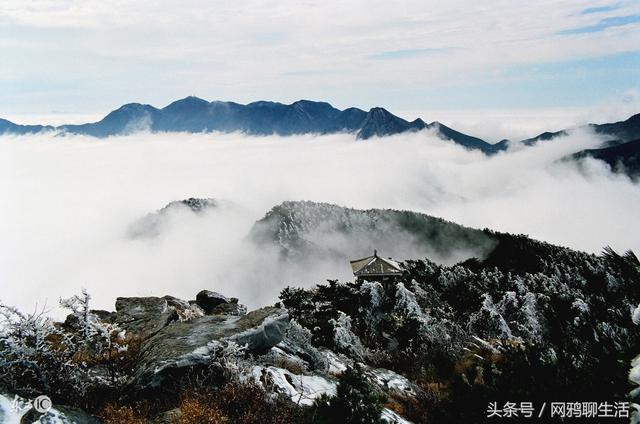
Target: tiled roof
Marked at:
375, 266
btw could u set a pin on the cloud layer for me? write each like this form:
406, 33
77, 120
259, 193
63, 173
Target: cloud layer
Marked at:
68, 201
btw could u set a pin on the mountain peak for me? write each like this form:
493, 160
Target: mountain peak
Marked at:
129, 111
380, 112
135, 107
304, 102
380, 122
187, 102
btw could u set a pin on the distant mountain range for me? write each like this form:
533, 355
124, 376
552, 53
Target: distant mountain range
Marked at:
193, 114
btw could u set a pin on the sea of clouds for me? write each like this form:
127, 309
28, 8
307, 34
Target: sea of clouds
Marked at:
67, 202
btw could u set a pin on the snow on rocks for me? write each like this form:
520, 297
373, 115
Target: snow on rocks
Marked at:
297, 342
181, 345
266, 334
391, 417
392, 382
636, 316
335, 364
10, 412
301, 389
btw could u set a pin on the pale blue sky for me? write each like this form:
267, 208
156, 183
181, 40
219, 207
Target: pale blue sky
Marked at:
87, 57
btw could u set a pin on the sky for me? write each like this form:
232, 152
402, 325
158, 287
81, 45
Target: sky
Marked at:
499, 68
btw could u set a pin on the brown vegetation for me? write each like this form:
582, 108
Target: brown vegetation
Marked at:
114, 414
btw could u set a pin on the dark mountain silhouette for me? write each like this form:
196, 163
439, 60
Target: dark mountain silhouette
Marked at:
545, 136
621, 132
616, 132
193, 114
620, 148
380, 122
623, 158
11, 128
467, 140
125, 120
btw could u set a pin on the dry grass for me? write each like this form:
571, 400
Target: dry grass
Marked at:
112, 414
413, 409
237, 403
195, 411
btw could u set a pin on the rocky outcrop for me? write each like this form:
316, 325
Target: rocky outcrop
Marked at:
176, 335
169, 344
215, 303
143, 316
186, 344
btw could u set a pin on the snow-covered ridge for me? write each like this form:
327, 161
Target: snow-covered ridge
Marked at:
308, 228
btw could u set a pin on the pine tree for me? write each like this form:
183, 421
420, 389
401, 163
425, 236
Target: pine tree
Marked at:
356, 401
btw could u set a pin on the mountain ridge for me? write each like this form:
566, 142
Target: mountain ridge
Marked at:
621, 158
193, 114
620, 132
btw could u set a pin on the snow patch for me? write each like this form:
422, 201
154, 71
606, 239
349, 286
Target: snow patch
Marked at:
391, 417
392, 381
335, 364
9, 414
301, 389
636, 316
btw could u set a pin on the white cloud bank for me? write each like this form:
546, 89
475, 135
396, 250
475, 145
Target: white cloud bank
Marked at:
67, 203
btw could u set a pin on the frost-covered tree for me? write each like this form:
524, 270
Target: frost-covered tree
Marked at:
345, 340
406, 303
66, 361
230, 357
298, 339
488, 321
84, 319
32, 351
99, 342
